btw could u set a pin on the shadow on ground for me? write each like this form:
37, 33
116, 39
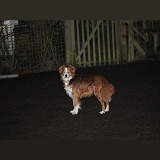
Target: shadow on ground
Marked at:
35, 106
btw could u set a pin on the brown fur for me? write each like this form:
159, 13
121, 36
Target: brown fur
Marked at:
86, 85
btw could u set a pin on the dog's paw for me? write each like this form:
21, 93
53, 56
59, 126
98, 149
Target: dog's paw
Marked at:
106, 110
74, 112
102, 112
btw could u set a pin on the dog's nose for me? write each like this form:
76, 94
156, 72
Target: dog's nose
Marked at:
65, 75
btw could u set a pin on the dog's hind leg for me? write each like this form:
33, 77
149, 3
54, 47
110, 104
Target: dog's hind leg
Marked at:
97, 93
103, 107
107, 108
98, 96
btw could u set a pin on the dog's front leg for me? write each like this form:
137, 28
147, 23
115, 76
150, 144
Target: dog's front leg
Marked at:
76, 105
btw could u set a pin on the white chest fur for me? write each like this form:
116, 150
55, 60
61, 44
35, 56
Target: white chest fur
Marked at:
68, 91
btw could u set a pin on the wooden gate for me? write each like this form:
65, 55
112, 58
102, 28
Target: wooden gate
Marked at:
101, 42
92, 42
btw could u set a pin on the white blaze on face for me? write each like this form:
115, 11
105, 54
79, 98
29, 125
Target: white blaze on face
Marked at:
66, 77
65, 70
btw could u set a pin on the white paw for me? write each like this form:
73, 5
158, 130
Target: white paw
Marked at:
74, 112
102, 112
106, 110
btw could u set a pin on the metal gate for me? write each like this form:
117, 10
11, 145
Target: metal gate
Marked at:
30, 46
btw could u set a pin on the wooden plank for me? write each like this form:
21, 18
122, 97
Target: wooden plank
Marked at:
72, 43
78, 40
93, 43
137, 32
89, 38
139, 48
130, 41
83, 42
117, 40
132, 44
89, 52
103, 43
108, 42
140, 34
99, 46
113, 41
69, 41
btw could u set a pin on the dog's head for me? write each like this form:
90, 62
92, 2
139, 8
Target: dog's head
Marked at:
66, 73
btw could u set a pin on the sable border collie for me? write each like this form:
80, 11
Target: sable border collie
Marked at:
79, 86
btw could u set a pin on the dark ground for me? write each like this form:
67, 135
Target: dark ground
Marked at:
35, 106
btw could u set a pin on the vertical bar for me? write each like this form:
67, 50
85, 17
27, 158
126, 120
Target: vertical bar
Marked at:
84, 52
93, 41
117, 26
78, 40
42, 42
103, 42
113, 42
89, 53
13, 47
72, 43
28, 63
145, 41
67, 41
108, 42
130, 41
99, 47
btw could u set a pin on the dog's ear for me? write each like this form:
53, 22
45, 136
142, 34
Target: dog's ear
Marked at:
72, 69
61, 68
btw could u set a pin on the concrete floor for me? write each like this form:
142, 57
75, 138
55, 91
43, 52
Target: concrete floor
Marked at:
35, 106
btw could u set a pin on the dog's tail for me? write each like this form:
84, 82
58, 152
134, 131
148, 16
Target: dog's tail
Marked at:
107, 91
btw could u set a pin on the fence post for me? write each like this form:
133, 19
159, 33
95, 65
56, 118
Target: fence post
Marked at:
108, 42
130, 41
70, 42
123, 41
117, 30
113, 41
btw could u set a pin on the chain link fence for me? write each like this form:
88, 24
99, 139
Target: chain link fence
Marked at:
29, 46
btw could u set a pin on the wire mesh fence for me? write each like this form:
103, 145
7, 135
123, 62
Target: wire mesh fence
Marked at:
29, 46
32, 45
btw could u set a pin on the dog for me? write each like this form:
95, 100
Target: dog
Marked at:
79, 86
